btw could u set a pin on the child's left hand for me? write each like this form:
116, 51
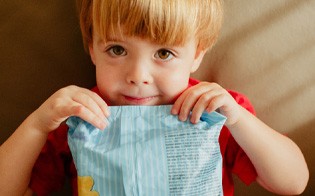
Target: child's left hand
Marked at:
206, 96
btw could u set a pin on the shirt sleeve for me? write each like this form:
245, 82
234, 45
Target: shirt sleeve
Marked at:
49, 172
235, 156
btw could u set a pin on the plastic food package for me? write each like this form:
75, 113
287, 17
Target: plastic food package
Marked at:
147, 151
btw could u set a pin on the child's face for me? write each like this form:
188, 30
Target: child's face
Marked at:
135, 71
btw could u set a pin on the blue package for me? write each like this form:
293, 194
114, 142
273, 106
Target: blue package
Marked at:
147, 151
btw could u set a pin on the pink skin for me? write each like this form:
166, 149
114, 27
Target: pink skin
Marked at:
134, 71
139, 100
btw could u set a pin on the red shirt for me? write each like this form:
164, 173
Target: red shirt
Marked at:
55, 162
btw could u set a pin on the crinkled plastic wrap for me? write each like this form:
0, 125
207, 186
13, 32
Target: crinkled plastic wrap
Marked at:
147, 151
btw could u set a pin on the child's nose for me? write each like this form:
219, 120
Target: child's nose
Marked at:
138, 75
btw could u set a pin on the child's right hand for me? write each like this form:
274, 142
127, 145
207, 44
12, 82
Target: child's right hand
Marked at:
71, 101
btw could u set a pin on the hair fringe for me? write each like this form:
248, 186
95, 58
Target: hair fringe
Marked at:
166, 22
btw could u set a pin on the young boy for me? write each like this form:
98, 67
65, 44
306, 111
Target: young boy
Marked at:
144, 52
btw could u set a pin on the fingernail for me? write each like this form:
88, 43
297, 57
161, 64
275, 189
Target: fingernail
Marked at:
107, 113
194, 121
182, 118
174, 111
103, 124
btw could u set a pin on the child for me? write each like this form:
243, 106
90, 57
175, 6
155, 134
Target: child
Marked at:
144, 52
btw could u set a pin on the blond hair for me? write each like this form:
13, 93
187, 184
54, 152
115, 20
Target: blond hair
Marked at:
166, 22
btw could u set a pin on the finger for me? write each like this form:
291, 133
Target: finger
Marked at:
201, 105
191, 99
88, 116
187, 106
89, 103
180, 100
178, 103
100, 102
215, 103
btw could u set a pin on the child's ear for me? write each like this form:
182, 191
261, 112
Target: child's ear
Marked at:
91, 51
200, 53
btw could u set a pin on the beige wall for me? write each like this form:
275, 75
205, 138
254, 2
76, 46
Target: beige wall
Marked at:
266, 51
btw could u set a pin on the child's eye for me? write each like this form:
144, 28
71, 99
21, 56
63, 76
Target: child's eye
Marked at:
164, 54
116, 51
